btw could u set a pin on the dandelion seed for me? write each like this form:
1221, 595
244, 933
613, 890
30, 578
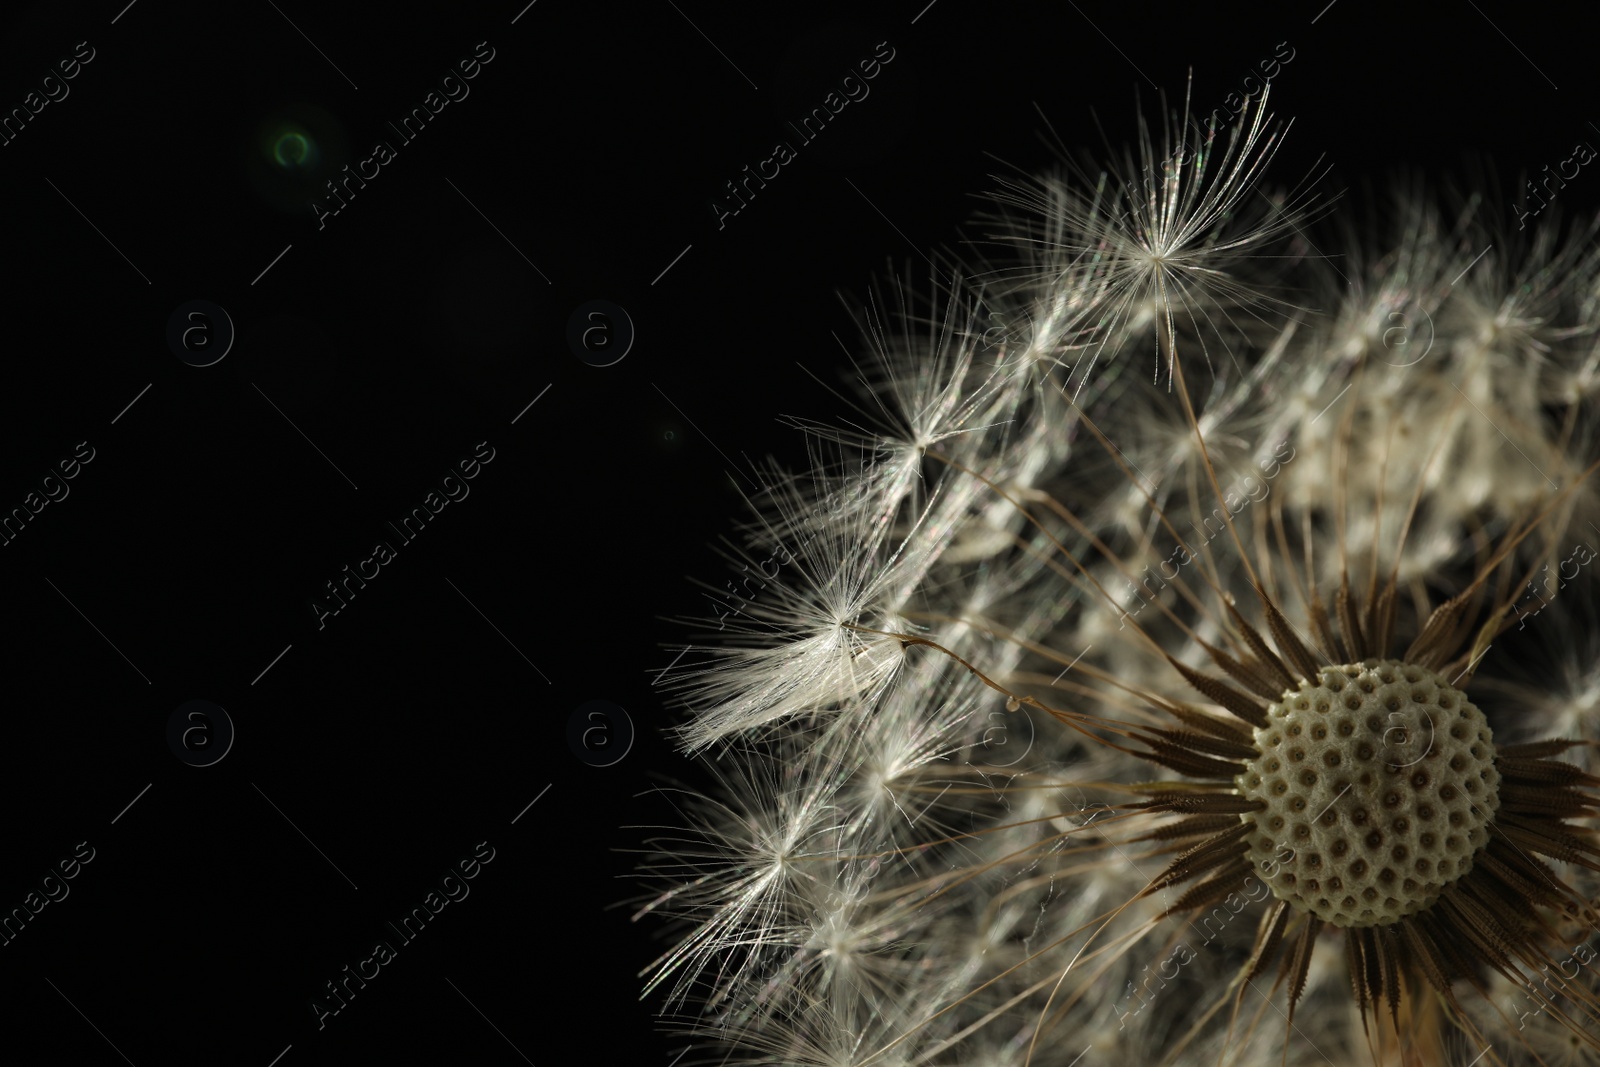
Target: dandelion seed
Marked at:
1152, 245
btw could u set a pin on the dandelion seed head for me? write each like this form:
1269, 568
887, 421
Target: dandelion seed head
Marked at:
1006, 727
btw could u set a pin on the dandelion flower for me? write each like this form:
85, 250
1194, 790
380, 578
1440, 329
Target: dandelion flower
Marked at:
1239, 717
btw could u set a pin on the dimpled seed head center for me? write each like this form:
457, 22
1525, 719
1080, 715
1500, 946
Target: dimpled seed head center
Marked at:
1378, 785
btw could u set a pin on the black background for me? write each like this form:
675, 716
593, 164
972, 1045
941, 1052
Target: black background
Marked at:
426, 715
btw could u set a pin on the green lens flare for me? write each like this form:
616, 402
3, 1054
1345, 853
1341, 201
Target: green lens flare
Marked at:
294, 150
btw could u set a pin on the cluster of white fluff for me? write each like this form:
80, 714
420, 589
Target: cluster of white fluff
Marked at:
905, 866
